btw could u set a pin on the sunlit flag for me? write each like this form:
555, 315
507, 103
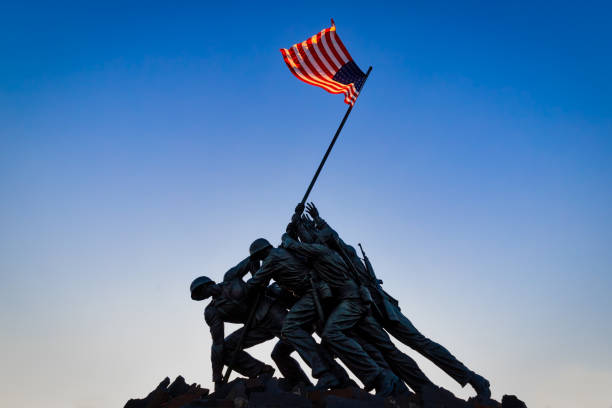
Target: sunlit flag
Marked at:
323, 61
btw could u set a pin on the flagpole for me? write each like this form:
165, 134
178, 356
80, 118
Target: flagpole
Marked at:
331, 145
247, 326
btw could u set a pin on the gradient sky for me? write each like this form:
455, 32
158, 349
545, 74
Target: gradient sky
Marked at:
146, 144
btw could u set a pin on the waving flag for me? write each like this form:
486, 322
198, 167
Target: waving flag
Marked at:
323, 61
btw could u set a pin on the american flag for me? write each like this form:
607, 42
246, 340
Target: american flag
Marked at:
322, 60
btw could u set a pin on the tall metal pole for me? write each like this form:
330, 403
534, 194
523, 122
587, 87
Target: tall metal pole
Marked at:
331, 145
249, 321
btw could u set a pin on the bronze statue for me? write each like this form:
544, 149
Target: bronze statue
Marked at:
389, 314
320, 283
292, 274
351, 313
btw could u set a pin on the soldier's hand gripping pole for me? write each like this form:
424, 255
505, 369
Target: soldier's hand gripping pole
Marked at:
331, 145
246, 328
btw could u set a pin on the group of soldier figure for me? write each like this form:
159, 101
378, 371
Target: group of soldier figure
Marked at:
320, 285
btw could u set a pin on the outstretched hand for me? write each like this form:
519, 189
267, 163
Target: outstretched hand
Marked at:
312, 210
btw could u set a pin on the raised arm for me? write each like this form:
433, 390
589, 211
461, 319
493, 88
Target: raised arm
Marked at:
302, 248
245, 266
325, 232
262, 277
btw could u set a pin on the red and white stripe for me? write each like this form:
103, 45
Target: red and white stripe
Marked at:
316, 61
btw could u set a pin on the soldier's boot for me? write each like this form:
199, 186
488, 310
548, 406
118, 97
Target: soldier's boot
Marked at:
385, 383
302, 388
292, 385
481, 385
400, 387
341, 375
328, 381
266, 372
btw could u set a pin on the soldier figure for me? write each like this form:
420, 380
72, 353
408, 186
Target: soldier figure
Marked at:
388, 313
352, 313
292, 274
232, 301
369, 332
314, 263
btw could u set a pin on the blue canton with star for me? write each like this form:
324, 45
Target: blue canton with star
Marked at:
350, 73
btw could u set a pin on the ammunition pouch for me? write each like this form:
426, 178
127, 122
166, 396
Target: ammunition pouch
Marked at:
385, 304
390, 298
391, 311
365, 295
347, 291
324, 291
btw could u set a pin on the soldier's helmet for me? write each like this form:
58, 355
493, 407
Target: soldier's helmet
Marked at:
259, 245
197, 285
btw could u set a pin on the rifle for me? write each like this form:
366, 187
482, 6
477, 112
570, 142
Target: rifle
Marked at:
246, 328
317, 301
375, 280
367, 263
363, 291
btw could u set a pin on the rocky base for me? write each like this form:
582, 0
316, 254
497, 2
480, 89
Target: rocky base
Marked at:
274, 393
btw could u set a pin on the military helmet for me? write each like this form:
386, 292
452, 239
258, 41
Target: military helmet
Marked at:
198, 283
259, 245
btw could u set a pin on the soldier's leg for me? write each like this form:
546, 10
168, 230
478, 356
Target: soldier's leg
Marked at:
342, 319
245, 364
338, 371
401, 364
330, 358
371, 350
287, 365
281, 354
404, 331
297, 329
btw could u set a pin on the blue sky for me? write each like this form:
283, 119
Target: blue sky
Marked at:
147, 144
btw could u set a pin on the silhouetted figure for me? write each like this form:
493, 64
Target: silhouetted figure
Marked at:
388, 313
232, 302
352, 313
367, 332
292, 274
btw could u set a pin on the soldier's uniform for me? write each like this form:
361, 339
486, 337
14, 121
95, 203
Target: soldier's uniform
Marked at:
388, 313
351, 313
233, 305
292, 274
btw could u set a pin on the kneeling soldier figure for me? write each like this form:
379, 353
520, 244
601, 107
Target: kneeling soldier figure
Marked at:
232, 301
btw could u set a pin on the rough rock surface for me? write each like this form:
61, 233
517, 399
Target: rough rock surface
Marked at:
273, 393
175, 395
